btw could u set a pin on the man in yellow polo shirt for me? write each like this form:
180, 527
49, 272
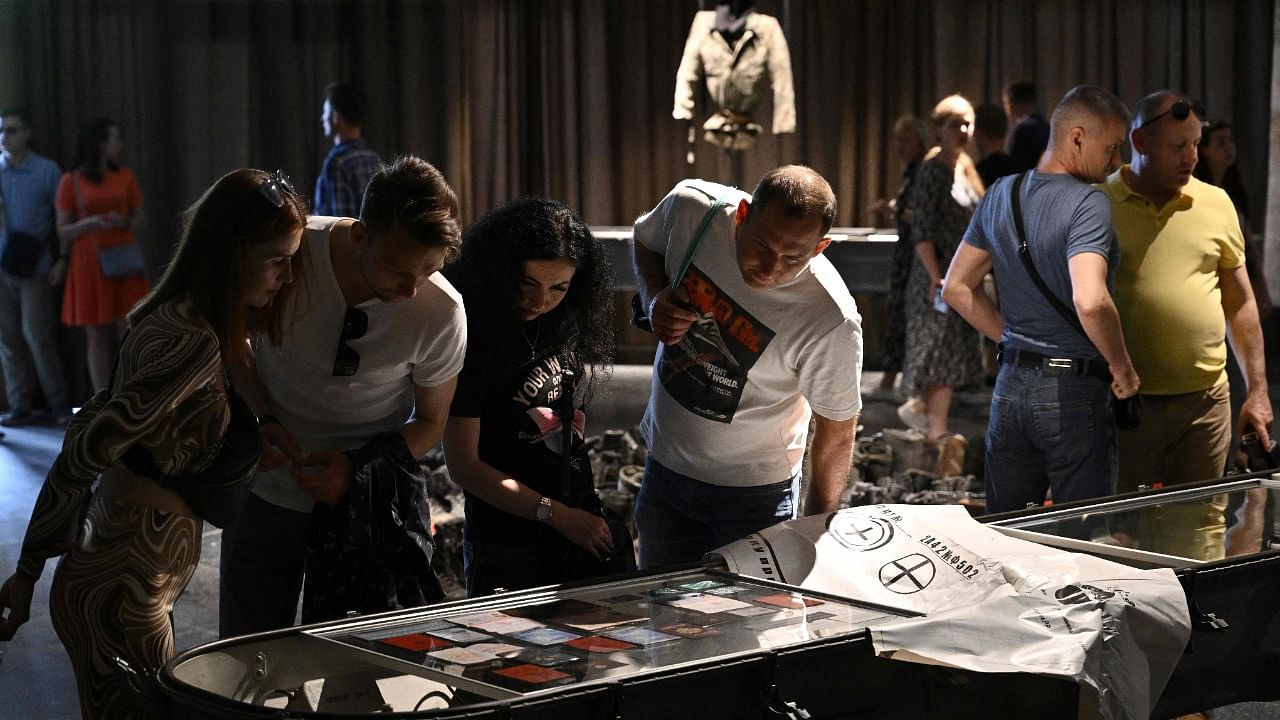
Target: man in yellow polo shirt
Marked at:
1181, 290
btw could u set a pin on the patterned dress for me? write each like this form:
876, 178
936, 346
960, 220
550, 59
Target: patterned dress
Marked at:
124, 565
904, 256
941, 348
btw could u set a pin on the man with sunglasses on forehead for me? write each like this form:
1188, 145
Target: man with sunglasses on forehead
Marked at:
1181, 288
371, 357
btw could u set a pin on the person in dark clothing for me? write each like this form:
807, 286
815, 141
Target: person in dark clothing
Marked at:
1030, 134
538, 292
990, 126
351, 162
911, 140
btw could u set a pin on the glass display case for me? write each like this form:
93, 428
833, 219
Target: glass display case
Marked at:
697, 642
1222, 539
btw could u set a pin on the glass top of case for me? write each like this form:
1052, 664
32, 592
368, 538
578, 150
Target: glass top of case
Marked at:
1170, 528
525, 643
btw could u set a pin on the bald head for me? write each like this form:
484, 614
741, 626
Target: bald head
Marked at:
1150, 109
1166, 132
798, 192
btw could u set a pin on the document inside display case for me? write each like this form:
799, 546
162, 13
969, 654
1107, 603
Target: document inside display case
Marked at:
532, 643
1174, 528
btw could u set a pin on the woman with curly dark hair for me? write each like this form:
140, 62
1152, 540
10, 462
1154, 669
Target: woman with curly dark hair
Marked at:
539, 297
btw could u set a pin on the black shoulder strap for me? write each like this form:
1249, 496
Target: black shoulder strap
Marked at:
1024, 253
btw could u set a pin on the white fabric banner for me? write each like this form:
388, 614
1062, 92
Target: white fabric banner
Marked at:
992, 603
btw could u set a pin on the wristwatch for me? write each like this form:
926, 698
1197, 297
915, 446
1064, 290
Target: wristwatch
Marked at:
544, 510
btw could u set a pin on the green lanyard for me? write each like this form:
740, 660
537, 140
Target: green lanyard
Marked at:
697, 239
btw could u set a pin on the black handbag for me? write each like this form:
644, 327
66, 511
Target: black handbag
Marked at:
218, 492
639, 313
22, 254
578, 563
22, 251
1127, 411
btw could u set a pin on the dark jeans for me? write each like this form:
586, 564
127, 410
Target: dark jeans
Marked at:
1049, 428
264, 555
681, 519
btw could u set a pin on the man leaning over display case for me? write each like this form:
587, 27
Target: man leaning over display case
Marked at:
359, 389
758, 332
1050, 427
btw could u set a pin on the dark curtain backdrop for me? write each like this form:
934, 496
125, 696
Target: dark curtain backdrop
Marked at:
572, 99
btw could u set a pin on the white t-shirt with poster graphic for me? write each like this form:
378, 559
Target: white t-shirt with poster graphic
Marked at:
731, 402
419, 341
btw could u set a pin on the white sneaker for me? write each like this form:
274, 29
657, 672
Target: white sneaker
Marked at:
882, 394
912, 416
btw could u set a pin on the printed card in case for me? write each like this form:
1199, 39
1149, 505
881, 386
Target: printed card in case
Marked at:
417, 642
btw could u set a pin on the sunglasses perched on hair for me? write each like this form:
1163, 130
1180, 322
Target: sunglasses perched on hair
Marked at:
277, 186
354, 325
1180, 110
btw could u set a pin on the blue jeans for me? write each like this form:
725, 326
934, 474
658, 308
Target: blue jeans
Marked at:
264, 555
681, 519
1049, 428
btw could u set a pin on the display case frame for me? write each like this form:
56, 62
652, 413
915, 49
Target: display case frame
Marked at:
822, 674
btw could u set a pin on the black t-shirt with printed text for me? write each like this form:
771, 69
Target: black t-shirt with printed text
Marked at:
516, 395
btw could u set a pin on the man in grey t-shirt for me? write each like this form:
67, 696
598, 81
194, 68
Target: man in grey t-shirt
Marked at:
1050, 425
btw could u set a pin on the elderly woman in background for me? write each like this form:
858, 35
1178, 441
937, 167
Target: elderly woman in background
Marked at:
910, 142
942, 350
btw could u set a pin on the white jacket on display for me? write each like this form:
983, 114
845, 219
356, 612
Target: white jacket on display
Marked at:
737, 76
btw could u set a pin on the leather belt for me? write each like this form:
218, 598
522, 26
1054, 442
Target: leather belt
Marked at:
1091, 367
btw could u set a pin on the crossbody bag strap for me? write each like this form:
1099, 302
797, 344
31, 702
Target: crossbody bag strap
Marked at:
1024, 252
697, 240
75, 183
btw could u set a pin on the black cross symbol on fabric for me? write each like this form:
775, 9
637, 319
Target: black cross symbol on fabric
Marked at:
862, 532
906, 573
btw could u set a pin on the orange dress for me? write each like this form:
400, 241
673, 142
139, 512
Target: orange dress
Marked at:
90, 298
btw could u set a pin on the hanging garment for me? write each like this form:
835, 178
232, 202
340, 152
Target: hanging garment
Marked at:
737, 75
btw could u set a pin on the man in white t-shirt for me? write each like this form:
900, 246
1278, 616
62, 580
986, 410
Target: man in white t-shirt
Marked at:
759, 333
375, 346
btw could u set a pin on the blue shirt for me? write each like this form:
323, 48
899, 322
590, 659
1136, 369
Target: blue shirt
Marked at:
346, 172
29, 190
1063, 217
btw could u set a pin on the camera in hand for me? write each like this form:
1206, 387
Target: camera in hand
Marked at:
1256, 456
1127, 411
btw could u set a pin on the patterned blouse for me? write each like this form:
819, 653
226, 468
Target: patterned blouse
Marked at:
166, 395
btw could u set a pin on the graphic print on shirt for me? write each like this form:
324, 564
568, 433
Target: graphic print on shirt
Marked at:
539, 393
707, 370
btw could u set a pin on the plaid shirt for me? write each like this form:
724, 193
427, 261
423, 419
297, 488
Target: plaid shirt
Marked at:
345, 173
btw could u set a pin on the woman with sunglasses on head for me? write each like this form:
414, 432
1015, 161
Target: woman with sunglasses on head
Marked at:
539, 297
167, 418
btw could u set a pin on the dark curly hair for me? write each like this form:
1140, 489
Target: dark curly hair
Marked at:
1232, 180
491, 267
